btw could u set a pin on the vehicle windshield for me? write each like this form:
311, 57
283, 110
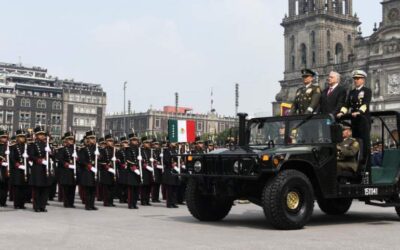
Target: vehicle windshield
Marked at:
310, 131
304, 131
263, 132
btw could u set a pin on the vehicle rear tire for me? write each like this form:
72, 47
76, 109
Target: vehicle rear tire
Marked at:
206, 207
397, 210
335, 206
288, 200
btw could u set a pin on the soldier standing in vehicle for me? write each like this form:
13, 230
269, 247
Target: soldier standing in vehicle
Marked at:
357, 105
347, 151
308, 96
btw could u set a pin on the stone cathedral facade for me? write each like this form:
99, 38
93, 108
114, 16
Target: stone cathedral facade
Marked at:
324, 35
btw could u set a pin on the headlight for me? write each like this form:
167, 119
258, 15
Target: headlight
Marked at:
236, 167
197, 166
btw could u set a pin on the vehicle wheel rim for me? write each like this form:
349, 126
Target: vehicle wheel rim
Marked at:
293, 200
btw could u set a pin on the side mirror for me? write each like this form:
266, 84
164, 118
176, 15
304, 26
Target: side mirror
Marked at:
336, 133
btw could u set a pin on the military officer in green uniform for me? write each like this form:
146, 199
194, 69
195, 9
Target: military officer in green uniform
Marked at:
308, 96
347, 151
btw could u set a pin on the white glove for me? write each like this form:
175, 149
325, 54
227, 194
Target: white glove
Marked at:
176, 169
44, 162
71, 166
160, 167
94, 170
140, 158
47, 149
114, 159
30, 163
137, 172
22, 167
183, 166
4, 164
150, 168
74, 155
151, 159
25, 155
111, 170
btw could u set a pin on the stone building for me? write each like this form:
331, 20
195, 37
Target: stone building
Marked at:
156, 122
324, 35
29, 96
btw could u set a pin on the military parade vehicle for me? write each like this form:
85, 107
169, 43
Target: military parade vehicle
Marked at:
285, 164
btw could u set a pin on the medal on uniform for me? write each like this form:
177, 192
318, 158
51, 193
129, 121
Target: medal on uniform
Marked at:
361, 95
309, 91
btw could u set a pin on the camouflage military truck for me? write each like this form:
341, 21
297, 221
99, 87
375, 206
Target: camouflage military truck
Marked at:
285, 164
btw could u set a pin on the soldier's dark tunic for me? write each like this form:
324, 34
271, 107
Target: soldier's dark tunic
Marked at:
122, 175
19, 178
87, 179
4, 178
155, 192
358, 101
132, 178
306, 100
170, 179
40, 174
107, 179
66, 174
147, 177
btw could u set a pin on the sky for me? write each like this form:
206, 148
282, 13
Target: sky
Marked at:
160, 47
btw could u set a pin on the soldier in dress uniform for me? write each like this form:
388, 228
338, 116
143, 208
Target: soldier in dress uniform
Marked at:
357, 105
108, 174
170, 179
67, 158
347, 152
88, 166
122, 170
308, 96
4, 166
148, 178
99, 187
210, 146
40, 154
133, 180
19, 169
158, 169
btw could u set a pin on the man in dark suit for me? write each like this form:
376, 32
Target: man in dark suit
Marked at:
334, 96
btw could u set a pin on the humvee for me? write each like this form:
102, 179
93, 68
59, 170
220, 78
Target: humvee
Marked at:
285, 164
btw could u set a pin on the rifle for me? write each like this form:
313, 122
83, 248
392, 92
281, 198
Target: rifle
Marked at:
7, 157
114, 159
96, 156
25, 155
162, 158
152, 163
74, 155
179, 159
47, 149
140, 163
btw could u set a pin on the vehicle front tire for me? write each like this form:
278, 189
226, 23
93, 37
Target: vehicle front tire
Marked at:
288, 200
206, 207
334, 206
397, 210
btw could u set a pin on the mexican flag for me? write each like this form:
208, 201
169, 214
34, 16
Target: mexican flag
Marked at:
181, 130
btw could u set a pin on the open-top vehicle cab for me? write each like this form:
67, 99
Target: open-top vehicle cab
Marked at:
284, 164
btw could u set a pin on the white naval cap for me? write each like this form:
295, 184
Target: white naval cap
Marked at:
359, 73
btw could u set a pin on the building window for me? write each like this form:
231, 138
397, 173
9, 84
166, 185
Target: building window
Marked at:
9, 118
25, 117
56, 105
25, 103
10, 103
1, 102
292, 44
199, 126
1, 117
157, 123
41, 118
293, 63
303, 52
338, 53
328, 38
313, 58
41, 104
56, 119
312, 38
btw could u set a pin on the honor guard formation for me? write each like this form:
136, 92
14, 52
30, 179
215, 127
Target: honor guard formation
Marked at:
33, 169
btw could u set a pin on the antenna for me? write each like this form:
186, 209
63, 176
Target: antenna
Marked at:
236, 98
176, 102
